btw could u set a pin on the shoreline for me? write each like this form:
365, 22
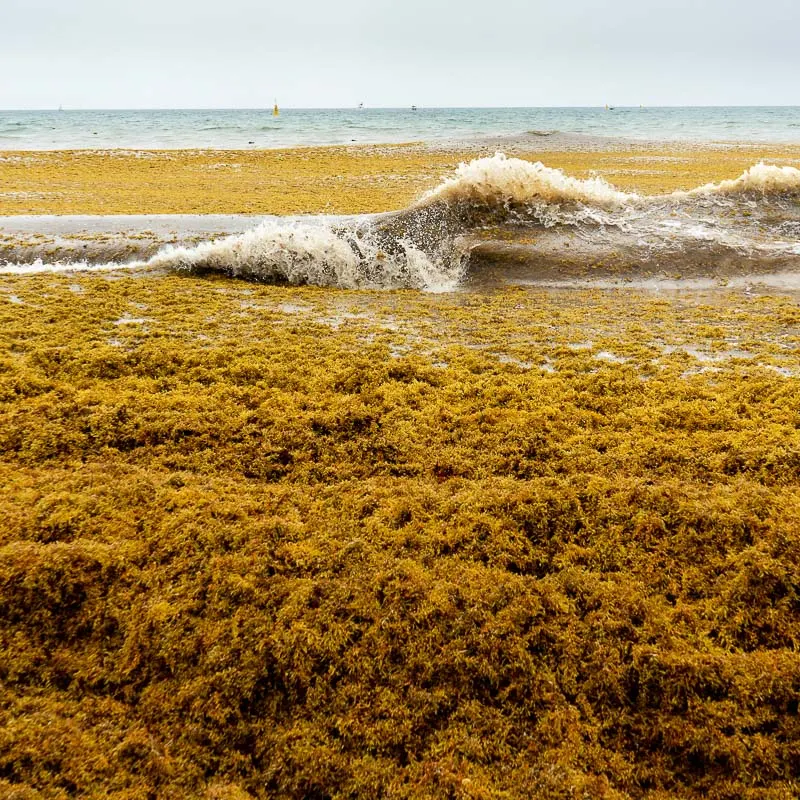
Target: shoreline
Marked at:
524, 141
544, 140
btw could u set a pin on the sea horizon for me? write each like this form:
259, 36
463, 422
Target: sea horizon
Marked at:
241, 128
395, 107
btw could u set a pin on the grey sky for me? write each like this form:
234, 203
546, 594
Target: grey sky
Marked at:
243, 53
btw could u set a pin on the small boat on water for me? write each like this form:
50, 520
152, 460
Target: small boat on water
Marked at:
275, 111
413, 108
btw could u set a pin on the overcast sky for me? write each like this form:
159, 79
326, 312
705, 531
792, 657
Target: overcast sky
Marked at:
329, 53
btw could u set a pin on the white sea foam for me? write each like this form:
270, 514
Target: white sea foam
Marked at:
317, 254
38, 267
765, 179
513, 180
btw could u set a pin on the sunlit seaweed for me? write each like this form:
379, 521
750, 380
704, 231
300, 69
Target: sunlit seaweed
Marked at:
326, 180
293, 542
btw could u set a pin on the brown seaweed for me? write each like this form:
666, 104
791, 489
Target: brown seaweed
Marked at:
299, 543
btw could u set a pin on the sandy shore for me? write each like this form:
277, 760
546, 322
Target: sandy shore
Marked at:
337, 180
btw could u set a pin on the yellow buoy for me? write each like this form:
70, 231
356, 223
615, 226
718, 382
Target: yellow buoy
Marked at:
275, 111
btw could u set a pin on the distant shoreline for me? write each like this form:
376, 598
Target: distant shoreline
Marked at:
524, 142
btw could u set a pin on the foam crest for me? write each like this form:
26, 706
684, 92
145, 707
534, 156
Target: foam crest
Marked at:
506, 180
348, 257
764, 179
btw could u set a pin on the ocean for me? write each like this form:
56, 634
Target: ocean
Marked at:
258, 128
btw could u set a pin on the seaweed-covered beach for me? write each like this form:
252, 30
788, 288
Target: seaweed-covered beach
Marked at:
505, 541
358, 179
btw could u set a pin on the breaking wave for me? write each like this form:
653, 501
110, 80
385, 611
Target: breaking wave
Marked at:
500, 208
498, 179
763, 179
421, 247
351, 257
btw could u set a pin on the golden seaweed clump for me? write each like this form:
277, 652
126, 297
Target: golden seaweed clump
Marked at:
262, 542
334, 180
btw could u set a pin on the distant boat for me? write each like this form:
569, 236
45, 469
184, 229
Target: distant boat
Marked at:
275, 111
360, 106
413, 108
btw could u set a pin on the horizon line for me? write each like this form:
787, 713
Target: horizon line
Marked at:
391, 108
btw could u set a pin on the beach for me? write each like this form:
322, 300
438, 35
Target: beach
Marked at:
519, 522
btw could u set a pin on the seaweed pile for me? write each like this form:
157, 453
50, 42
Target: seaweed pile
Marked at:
272, 543
328, 180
